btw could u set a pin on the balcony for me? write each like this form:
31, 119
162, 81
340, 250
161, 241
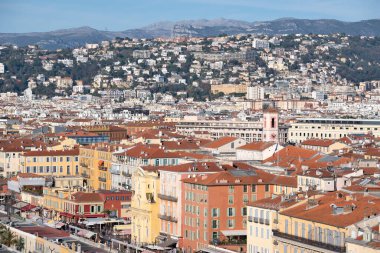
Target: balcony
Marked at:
230, 242
250, 218
167, 197
103, 168
102, 179
85, 175
167, 218
115, 171
310, 244
126, 174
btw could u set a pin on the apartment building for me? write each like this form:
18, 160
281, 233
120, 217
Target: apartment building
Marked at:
95, 164
170, 195
329, 128
126, 162
214, 208
303, 228
262, 216
71, 205
51, 163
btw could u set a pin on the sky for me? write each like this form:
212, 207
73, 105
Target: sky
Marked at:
118, 15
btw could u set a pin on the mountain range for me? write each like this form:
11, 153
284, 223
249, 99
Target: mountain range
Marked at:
75, 37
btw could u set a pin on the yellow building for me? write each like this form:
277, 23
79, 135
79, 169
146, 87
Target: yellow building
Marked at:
53, 201
95, 162
145, 206
228, 88
322, 224
51, 163
263, 219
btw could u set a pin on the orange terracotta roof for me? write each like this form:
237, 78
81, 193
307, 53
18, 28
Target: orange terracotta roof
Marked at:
259, 146
190, 167
318, 142
232, 177
358, 203
220, 142
69, 152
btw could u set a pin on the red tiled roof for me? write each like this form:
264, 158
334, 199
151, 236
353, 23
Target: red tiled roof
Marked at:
228, 178
191, 167
318, 142
359, 206
47, 232
69, 152
87, 197
259, 146
220, 142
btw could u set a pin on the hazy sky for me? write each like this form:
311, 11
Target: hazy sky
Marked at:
116, 15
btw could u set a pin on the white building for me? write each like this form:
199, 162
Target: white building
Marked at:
330, 128
257, 151
319, 180
2, 68
255, 92
260, 44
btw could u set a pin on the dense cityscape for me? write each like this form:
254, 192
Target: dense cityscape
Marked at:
243, 142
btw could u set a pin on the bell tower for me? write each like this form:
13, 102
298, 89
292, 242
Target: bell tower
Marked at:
270, 125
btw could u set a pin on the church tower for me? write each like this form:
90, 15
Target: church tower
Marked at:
270, 125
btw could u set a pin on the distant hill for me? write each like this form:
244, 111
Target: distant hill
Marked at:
197, 28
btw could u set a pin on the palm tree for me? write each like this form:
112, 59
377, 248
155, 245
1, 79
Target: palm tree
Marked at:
8, 238
20, 245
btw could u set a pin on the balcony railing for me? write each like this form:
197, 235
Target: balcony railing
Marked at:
250, 218
126, 174
305, 241
167, 218
102, 179
217, 242
167, 197
115, 171
103, 168
85, 175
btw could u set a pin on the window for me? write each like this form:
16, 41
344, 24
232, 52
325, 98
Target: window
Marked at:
286, 226
245, 188
230, 199
231, 189
267, 187
68, 159
215, 224
244, 211
68, 170
215, 212
253, 188
230, 211
231, 223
